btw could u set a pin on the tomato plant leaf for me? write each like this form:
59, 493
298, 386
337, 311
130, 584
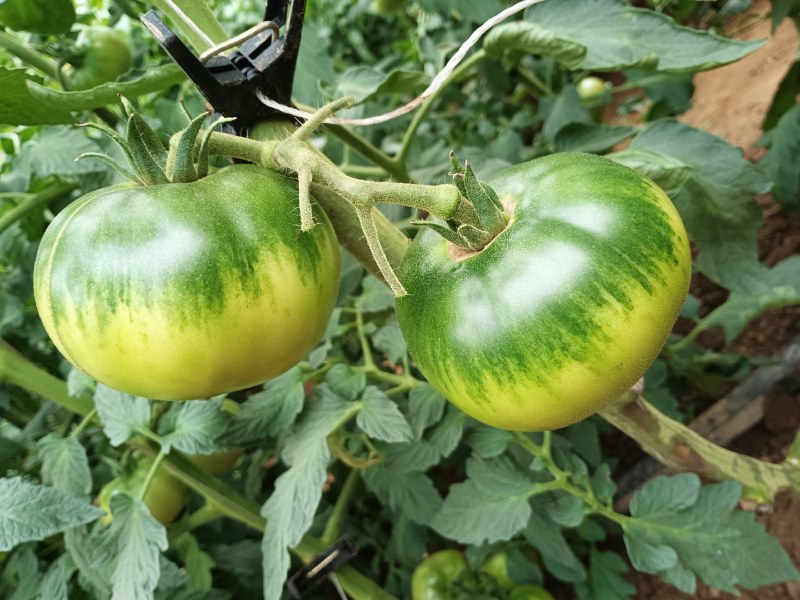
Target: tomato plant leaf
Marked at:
681, 531
447, 434
603, 486
375, 296
193, 427
606, 579
38, 16
65, 465
314, 64
140, 540
490, 506
410, 493
290, 510
122, 415
53, 152
562, 110
532, 38
564, 509
489, 442
345, 381
54, 583
269, 411
590, 137
381, 418
425, 407
19, 107
544, 535
389, 340
418, 455
622, 36
31, 512
198, 563
780, 163
21, 574
785, 98
364, 83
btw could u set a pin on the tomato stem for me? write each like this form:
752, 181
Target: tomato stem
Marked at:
32, 201
28, 55
334, 524
151, 474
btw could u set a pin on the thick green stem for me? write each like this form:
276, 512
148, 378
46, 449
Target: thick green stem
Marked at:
154, 80
334, 524
17, 370
678, 447
394, 167
33, 201
151, 473
28, 55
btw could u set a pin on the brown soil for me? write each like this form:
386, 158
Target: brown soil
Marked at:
731, 102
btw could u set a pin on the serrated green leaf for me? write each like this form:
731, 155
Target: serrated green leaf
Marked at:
290, 510
375, 296
53, 585
409, 493
22, 574
94, 553
785, 97
198, 563
590, 137
425, 407
669, 173
603, 486
53, 152
563, 509
65, 465
562, 110
606, 579
19, 107
488, 442
38, 16
491, 505
558, 557
389, 340
680, 530
323, 413
140, 541
345, 381
781, 164
193, 427
122, 415
621, 36
364, 83
418, 455
447, 434
268, 412
531, 38
31, 512
381, 418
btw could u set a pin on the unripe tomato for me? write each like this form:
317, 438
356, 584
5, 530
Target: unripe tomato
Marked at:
433, 575
219, 462
564, 310
387, 7
165, 496
529, 591
189, 290
591, 88
496, 566
105, 57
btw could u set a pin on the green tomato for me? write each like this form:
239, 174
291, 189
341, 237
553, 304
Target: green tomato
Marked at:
184, 291
105, 57
387, 7
530, 591
564, 310
434, 574
591, 89
496, 566
165, 496
217, 463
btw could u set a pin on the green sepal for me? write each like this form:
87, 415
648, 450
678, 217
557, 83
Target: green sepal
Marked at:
114, 164
181, 157
448, 234
120, 141
475, 238
147, 151
482, 196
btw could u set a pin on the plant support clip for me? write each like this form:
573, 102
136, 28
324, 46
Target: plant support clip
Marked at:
321, 566
265, 61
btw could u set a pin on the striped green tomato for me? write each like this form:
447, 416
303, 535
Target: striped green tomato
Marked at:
187, 290
564, 309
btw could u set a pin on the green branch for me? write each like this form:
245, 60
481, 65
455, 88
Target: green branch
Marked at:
677, 446
35, 200
28, 55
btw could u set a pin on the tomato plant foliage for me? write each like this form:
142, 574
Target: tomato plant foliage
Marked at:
454, 423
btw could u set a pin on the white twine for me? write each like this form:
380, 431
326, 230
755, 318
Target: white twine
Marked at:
435, 85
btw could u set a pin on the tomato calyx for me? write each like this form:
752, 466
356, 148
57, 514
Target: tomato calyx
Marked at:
480, 216
150, 162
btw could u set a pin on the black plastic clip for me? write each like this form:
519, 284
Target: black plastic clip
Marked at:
321, 566
262, 62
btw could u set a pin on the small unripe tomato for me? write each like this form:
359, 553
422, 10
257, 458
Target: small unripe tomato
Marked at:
105, 57
165, 496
